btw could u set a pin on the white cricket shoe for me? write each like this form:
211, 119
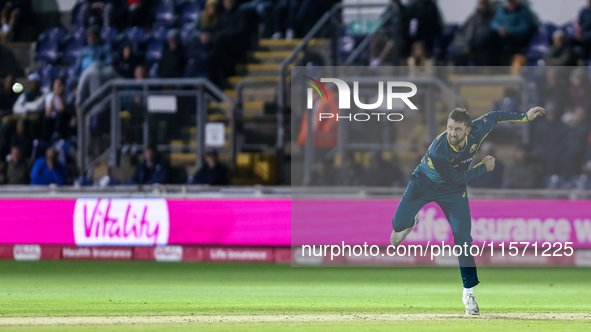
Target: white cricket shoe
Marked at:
471, 304
396, 238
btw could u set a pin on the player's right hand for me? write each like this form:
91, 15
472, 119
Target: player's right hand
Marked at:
489, 161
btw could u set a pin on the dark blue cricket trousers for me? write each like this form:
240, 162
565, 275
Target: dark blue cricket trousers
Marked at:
454, 204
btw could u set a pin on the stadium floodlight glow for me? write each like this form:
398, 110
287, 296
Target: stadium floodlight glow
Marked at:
344, 93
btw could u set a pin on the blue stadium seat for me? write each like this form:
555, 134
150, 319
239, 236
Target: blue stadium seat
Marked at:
48, 73
186, 33
165, 14
73, 43
540, 43
154, 50
190, 13
160, 33
48, 45
109, 35
133, 35
153, 73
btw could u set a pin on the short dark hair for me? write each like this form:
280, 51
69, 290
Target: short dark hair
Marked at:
461, 115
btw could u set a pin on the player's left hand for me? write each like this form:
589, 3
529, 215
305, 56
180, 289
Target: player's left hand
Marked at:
535, 112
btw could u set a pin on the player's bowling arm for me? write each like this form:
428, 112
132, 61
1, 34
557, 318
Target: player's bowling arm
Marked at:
487, 122
453, 177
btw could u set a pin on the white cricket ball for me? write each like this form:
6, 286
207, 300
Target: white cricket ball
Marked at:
17, 88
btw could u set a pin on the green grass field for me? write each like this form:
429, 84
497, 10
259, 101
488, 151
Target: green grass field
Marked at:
78, 288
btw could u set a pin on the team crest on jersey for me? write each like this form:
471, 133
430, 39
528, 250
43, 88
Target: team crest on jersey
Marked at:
485, 120
473, 148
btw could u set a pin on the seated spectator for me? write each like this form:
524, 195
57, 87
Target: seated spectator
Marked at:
583, 36
426, 23
99, 9
31, 101
133, 107
95, 51
18, 169
126, 61
348, 173
382, 44
547, 147
524, 172
173, 60
212, 172
419, 64
7, 97
57, 115
572, 148
22, 139
560, 53
511, 29
579, 89
152, 169
320, 176
492, 179
13, 13
48, 169
467, 37
200, 46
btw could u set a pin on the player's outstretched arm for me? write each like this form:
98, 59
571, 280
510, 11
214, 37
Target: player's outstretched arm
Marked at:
534, 112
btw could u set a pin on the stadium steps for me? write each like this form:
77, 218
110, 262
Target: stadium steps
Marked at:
270, 57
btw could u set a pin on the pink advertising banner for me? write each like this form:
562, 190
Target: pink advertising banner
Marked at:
370, 221
278, 222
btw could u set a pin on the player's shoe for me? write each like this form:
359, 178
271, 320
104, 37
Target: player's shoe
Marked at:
471, 304
396, 238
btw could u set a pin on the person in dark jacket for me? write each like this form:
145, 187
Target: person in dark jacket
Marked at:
467, 36
583, 36
200, 46
425, 23
572, 148
18, 169
125, 62
212, 172
48, 169
173, 60
547, 147
560, 53
22, 139
152, 169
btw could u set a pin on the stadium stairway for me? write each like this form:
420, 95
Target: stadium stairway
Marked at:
256, 166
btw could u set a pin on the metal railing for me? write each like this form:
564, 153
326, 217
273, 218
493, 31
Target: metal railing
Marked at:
108, 97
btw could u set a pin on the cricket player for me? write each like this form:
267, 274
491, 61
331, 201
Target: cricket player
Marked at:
441, 177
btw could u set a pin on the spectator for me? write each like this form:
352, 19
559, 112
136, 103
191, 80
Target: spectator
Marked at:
547, 146
13, 13
579, 89
511, 30
152, 169
95, 51
466, 40
126, 61
8, 97
57, 115
18, 168
492, 179
425, 23
133, 106
583, 35
419, 64
554, 89
173, 60
382, 44
320, 176
200, 47
22, 139
32, 100
572, 148
97, 8
48, 169
560, 53
230, 42
213, 172
524, 172
347, 174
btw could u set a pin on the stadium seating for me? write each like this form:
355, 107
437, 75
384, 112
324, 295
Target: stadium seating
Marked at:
109, 35
189, 13
540, 43
165, 14
48, 45
132, 35
73, 43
